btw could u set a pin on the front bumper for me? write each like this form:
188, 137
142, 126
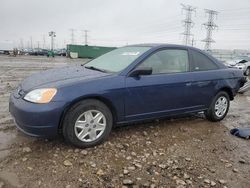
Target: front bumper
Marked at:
39, 120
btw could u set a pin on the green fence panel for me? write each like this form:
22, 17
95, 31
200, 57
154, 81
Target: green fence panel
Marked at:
88, 51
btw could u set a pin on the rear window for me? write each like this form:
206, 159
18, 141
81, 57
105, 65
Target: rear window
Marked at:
201, 62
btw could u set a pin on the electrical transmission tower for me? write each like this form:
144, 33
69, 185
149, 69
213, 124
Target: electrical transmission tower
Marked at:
210, 26
86, 36
72, 36
52, 34
188, 23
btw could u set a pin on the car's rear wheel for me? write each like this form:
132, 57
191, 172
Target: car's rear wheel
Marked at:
87, 123
219, 107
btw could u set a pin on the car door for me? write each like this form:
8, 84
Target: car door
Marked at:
206, 75
166, 91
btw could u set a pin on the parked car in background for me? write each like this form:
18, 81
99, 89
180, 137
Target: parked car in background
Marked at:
129, 84
240, 63
60, 52
39, 52
6, 47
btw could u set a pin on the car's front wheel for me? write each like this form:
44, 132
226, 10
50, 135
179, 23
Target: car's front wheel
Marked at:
219, 107
87, 123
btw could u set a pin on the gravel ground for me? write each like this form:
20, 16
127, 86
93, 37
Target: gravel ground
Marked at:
184, 152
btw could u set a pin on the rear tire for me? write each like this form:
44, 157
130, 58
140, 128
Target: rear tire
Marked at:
87, 123
219, 107
247, 72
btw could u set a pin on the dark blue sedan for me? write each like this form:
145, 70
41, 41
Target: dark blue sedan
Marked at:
129, 84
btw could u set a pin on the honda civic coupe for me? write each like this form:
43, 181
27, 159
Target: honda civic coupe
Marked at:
129, 84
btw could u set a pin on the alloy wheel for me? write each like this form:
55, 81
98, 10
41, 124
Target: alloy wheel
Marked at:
90, 125
221, 106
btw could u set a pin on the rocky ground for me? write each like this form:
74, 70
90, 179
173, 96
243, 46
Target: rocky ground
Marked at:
184, 152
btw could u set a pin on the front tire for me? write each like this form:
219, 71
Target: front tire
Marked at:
219, 107
87, 123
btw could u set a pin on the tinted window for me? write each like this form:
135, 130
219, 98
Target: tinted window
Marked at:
168, 61
202, 62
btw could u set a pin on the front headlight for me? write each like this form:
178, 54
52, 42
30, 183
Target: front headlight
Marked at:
42, 96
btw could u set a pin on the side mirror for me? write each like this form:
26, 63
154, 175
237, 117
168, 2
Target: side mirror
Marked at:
141, 71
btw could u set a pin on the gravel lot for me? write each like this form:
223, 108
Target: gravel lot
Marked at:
184, 152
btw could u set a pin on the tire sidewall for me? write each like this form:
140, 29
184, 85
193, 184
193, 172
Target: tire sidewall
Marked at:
75, 112
247, 71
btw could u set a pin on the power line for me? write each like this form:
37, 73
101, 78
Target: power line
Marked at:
188, 23
237, 9
210, 26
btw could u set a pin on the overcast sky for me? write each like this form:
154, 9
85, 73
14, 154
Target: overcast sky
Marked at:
121, 22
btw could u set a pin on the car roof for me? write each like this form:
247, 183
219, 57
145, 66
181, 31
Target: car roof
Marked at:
164, 45
157, 44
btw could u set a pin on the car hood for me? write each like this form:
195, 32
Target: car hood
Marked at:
235, 62
232, 63
59, 76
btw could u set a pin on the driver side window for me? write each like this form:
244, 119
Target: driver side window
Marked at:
167, 61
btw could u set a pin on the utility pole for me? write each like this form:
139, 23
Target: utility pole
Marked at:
187, 23
72, 36
21, 44
38, 45
31, 43
52, 34
64, 43
193, 41
210, 26
27, 44
44, 42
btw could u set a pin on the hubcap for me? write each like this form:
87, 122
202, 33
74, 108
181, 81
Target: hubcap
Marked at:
221, 106
90, 125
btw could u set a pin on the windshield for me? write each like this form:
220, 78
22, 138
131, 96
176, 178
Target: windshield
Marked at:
116, 60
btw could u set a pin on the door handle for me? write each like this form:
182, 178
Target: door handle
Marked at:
202, 83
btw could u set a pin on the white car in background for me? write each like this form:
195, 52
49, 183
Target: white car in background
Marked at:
240, 63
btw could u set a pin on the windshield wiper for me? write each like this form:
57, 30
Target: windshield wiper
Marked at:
95, 68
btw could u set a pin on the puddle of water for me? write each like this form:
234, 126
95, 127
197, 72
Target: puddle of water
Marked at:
11, 178
6, 139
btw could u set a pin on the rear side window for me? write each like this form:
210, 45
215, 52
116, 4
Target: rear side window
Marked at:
201, 62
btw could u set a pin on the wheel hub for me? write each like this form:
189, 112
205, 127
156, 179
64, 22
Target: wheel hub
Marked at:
221, 106
90, 125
